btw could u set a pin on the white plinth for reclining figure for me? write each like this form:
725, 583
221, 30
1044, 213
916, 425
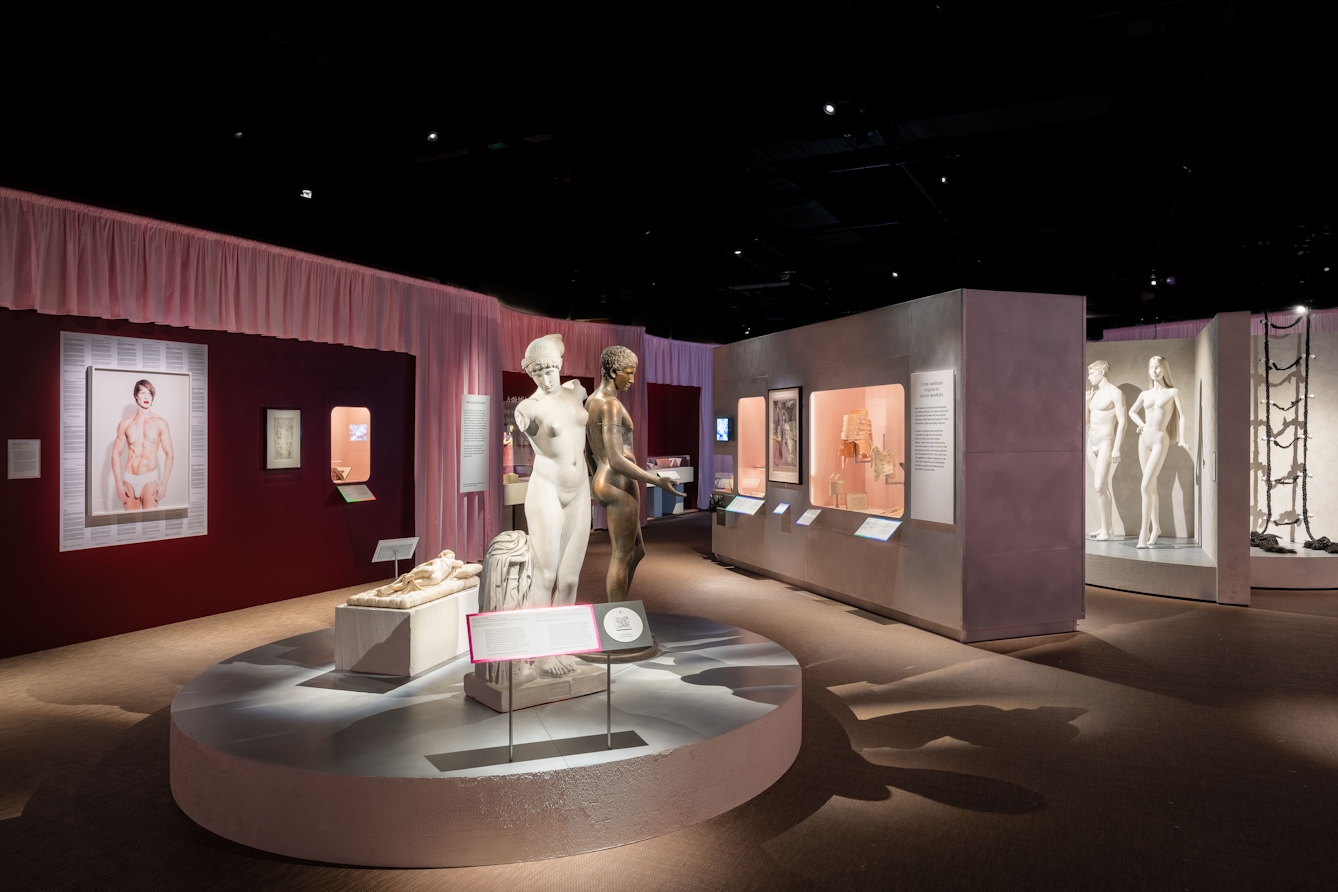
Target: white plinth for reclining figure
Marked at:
410, 624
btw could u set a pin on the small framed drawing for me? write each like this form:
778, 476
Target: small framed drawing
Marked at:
784, 434
283, 438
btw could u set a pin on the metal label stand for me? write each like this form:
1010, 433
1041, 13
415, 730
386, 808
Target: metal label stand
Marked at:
510, 711
608, 697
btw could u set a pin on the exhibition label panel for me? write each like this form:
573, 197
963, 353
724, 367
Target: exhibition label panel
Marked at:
933, 470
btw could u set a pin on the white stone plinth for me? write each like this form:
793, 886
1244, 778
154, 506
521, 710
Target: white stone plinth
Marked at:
587, 679
383, 641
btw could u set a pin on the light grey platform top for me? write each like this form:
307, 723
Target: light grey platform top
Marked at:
1167, 551
285, 704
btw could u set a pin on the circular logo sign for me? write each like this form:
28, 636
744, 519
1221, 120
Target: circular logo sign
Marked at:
622, 624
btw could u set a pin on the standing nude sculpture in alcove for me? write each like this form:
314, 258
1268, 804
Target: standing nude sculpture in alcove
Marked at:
609, 435
557, 501
1105, 431
1153, 441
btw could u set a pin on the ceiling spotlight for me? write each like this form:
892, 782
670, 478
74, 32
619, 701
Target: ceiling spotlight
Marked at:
829, 109
237, 135
1154, 280
306, 193
894, 275
1326, 269
738, 252
1300, 311
942, 179
432, 137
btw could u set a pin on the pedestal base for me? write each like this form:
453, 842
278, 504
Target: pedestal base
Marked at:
381, 641
274, 748
587, 679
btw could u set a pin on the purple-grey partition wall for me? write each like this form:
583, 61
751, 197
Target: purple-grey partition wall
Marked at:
1012, 562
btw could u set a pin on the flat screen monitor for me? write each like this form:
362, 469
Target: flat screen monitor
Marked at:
724, 430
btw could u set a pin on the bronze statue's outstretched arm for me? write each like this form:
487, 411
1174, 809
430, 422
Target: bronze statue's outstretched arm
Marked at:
610, 423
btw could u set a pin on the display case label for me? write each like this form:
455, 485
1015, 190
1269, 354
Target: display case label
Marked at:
808, 517
880, 528
744, 505
781, 508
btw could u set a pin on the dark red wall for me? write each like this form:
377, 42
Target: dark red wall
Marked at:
272, 534
673, 416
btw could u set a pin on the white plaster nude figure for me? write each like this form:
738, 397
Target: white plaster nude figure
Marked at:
140, 485
557, 501
1105, 431
1153, 441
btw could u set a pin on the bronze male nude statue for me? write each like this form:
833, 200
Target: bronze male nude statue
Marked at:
615, 468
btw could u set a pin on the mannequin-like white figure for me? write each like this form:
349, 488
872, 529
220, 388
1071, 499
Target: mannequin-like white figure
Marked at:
1105, 431
557, 501
1153, 441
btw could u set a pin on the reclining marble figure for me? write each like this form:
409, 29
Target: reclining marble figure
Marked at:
429, 581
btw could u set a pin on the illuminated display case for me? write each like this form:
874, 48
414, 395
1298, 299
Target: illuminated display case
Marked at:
752, 432
857, 447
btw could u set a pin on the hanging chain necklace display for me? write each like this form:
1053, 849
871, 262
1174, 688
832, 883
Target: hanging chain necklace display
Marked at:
1262, 538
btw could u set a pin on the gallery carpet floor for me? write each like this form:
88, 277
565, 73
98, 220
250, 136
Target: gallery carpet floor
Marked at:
1166, 745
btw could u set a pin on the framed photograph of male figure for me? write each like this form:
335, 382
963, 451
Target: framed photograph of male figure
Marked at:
138, 441
784, 434
283, 438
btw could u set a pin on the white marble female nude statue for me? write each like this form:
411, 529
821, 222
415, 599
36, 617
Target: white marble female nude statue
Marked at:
1153, 441
557, 501
1105, 431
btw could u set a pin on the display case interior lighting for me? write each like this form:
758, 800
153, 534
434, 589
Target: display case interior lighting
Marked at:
350, 444
752, 433
857, 449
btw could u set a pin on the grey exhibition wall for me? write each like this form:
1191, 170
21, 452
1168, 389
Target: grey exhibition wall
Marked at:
1012, 562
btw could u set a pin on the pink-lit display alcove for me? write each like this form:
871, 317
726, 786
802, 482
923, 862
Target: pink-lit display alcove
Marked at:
752, 470
351, 444
886, 405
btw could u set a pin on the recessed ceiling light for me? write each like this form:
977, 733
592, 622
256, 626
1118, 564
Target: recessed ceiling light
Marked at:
306, 193
237, 135
432, 137
738, 252
942, 179
894, 275
829, 109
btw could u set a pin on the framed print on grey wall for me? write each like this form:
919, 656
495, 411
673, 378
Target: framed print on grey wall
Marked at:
784, 435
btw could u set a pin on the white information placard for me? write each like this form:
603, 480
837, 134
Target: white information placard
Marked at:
394, 549
933, 447
532, 633
25, 459
781, 508
744, 505
88, 486
880, 528
808, 517
474, 442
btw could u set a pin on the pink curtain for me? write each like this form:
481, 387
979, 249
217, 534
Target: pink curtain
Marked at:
61, 258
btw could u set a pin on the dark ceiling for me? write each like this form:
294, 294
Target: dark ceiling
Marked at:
677, 169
